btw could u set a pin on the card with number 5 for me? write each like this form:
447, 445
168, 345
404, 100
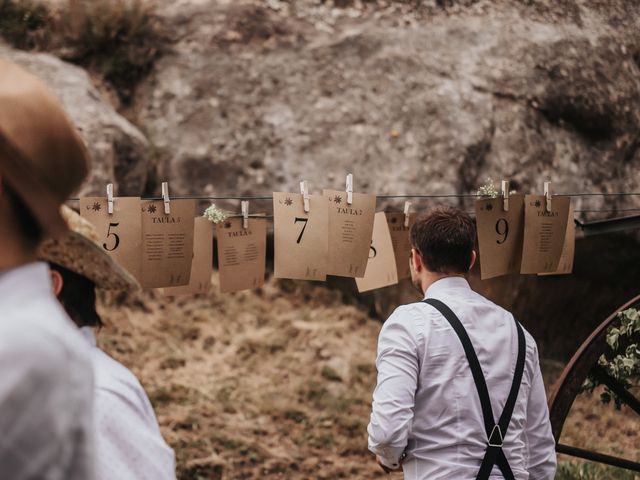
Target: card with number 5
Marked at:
121, 231
500, 235
301, 238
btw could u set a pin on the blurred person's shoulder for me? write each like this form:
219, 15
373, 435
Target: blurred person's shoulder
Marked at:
39, 333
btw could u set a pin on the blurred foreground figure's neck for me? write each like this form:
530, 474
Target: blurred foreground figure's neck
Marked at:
13, 250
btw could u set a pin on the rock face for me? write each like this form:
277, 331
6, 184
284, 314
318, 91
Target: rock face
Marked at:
120, 152
252, 100
255, 96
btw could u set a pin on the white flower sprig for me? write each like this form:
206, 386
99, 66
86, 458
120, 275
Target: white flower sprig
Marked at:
215, 214
488, 189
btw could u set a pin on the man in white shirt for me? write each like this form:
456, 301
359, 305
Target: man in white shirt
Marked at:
446, 367
45, 379
129, 445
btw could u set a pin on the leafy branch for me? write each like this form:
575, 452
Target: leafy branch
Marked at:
623, 362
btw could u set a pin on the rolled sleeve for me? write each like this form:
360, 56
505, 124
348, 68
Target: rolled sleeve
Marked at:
394, 396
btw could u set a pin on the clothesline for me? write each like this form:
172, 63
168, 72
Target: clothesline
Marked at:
445, 195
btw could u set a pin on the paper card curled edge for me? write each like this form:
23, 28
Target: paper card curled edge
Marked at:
381, 268
202, 262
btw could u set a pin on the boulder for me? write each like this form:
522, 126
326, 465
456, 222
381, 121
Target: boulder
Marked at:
120, 152
251, 100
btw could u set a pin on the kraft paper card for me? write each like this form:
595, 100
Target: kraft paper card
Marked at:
241, 254
301, 239
544, 233
201, 263
350, 228
401, 241
381, 268
167, 243
569, 249
500, 235
121, 232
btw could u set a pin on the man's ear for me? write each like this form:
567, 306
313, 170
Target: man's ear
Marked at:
474, 257
57, 282
417, 260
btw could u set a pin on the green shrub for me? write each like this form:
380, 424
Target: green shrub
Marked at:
117, 39
23, 23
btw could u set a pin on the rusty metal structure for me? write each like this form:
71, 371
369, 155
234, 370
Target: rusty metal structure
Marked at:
568, 387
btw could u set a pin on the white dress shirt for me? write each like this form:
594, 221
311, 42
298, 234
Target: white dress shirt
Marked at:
46, 383
426, 403
129, 444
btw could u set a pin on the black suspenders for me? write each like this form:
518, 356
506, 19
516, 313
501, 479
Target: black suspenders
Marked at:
495, 431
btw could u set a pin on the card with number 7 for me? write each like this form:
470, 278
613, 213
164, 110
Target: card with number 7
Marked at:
121, 231
500, 235
301, 239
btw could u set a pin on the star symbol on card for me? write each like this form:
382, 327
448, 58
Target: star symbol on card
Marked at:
337, 199
227, 224
394, 220
151, 209
96, 207
538, 204
288, 202
489, 207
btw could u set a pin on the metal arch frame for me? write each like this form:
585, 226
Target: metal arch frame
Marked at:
568, 387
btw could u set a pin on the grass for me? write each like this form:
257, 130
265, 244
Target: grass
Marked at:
119, 40
278, 384
592, 471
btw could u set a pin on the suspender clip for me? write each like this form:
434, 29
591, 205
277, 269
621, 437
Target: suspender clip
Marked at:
496, 439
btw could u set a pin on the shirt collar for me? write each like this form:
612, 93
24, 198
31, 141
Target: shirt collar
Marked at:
89, 335
28, 280
446, 284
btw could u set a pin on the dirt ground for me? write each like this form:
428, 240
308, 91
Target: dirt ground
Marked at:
277, 383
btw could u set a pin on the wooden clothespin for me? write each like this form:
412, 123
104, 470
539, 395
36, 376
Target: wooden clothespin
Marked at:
245, 214
165, 198
505, 195
407, 210
304, 190
110, 198
349, 189
548, 195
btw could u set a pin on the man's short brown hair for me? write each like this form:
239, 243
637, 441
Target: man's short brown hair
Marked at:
445, 238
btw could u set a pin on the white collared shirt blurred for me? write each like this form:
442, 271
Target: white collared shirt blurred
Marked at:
46, 383
426, 403
129, 445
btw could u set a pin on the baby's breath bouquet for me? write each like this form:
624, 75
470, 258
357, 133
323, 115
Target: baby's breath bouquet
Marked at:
215, 215
488, 189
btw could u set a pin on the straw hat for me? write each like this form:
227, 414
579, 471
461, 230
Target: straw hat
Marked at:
80, 251
42, 156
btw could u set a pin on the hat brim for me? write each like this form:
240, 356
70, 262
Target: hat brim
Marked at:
44, 206
75, 252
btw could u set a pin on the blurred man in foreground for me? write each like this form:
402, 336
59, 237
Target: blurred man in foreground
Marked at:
129, 445
460, 394
45, 377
